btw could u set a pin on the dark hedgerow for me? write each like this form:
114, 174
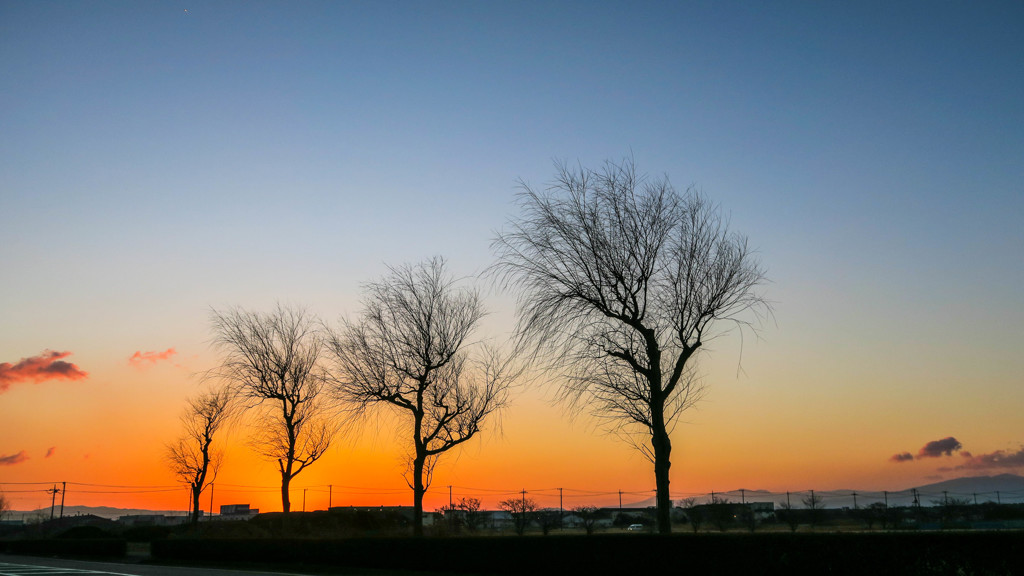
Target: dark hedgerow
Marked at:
879, 554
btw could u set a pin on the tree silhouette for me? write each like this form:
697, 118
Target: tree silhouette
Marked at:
410, 351
192, 457
694, 512
272, 363
813, 503
622, 280
472, 518
588, 515
522, 510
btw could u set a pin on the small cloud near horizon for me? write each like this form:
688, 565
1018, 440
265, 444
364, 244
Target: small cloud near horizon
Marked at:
11, 460
50, 451
45, 366
902, 457
998, 460
937, 448
142, 359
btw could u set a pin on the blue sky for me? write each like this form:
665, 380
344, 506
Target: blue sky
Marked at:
159, 158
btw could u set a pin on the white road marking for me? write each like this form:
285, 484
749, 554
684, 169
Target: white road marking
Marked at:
7, 569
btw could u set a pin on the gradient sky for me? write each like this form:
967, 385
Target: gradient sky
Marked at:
161, 158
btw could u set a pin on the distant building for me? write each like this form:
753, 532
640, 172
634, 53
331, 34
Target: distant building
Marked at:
237, 512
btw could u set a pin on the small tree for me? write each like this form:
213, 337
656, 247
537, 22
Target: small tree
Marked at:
522, 510
192, 457
589, 515
411, 352
788, 514
875, 512
813, 503
273, 364
472, 518
721, 512
693, 512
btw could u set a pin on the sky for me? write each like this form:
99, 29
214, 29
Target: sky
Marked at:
159, 160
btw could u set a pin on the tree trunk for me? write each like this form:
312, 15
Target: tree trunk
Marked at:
286, 503
662, 451
195, 506
417, 495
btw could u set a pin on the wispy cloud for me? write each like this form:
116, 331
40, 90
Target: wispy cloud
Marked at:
46, 366
140, 359
937, 448
13, 459
901, 457
1000, 459
50, 451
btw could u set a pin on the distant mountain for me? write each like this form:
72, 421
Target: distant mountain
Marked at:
101, 511
1004, 488
988, 485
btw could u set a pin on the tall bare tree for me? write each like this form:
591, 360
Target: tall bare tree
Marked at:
192, 456
273, 362
410, 351
621, 281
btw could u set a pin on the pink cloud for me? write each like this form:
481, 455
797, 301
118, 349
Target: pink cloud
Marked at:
140, 359
13, 459
46, 366
50, 451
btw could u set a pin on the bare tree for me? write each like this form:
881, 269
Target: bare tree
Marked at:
472, 517
788, 513
622, 280
522, 509
192, 457
410, 351
588, 515
694, 512
813, 503
273, 364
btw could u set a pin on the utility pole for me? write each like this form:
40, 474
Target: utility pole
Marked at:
524, 500
330, 495
211, 501
304, 499
886, 494
559, 508
620, 500
63, 491
743, 496
854, 500
789, 505
451, 505
53, 498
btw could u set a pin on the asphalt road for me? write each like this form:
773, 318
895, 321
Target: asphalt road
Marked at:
31, 566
